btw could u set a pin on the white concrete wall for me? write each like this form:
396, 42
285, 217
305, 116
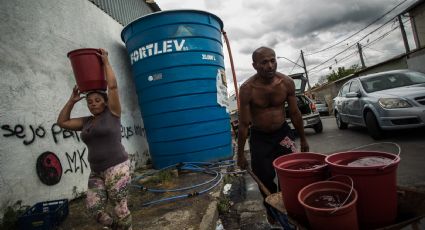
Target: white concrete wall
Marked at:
419, 17
417, 63
37, 79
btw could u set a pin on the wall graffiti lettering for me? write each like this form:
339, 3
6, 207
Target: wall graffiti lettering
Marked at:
30, 133
76, 163
20, 132
139, 130
129, 131
57, 131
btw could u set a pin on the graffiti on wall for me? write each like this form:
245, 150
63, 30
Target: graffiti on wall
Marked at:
29, 133
129, 131
49, 166
76, 161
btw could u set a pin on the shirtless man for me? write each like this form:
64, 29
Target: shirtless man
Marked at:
262, 103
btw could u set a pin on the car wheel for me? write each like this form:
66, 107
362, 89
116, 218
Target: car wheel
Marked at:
339, 122
372, 126
318, 128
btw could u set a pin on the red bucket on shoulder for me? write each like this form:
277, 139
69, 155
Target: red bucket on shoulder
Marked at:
88, 69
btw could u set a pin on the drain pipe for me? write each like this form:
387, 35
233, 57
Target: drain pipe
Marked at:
235, 83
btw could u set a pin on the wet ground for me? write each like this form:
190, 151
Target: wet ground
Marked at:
173, 213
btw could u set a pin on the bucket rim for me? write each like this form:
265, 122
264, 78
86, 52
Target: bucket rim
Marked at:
277, 166
169, 11
395, 159
341, 209
82, 51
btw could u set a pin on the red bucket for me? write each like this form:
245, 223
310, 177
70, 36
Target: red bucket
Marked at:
375, 179
88, 69
330, 205
295, 171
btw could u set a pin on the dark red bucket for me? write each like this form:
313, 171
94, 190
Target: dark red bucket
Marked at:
330, 205
88, 69
295, 171
375, 179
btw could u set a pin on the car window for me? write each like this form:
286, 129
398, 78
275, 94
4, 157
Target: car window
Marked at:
415, 77
344, 89
392, 80
354, 87
297, 83
303, 100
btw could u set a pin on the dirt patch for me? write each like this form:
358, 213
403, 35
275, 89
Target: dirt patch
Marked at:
172, 213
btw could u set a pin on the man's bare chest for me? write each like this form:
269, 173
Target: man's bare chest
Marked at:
268, 98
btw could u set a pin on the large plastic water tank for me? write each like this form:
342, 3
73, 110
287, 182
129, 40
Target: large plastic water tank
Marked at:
178, 68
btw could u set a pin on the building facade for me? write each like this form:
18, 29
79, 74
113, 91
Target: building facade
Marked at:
36, 81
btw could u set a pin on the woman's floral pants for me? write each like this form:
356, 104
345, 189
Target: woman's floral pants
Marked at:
110, 184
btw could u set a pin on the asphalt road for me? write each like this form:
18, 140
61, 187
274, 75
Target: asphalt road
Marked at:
411, 170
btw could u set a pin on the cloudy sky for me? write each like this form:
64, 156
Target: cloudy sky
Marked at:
323, 29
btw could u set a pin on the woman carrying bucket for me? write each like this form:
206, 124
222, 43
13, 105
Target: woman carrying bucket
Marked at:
101, 132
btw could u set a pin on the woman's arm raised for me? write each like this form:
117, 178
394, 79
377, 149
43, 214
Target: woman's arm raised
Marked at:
113, 97
64, 120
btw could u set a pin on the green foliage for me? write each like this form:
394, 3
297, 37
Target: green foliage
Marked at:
165, 175
342, 72
161, 177
223, 204
227, 179
12, 214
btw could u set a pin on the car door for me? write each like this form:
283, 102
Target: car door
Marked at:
353, 105
342, 102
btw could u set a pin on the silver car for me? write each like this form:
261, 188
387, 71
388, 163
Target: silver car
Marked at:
322, 108
382, 101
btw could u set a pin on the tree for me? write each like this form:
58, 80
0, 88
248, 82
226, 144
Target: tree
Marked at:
342, 72
322, 79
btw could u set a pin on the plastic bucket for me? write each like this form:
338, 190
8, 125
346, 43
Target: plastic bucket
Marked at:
374, 175
294, 172
330, 205
88, 69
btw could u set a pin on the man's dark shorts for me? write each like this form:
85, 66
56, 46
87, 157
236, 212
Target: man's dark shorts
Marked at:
265, 148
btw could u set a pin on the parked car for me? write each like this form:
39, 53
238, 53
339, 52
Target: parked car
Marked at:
307, 107
322, 108
382, 101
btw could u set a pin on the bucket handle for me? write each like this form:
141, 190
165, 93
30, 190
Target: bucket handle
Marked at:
393, 143
349, 194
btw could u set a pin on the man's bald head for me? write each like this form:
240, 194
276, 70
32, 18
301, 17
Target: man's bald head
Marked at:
260, 51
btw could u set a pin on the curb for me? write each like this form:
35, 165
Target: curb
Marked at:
210, 217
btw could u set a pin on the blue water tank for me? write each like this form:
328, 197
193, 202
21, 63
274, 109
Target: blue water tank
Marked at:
178, 68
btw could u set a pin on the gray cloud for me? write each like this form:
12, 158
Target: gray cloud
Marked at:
247, 49
238, 33
306, 17
214, 4
289, 26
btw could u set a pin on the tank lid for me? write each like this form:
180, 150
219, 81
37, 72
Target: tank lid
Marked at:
169, 11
